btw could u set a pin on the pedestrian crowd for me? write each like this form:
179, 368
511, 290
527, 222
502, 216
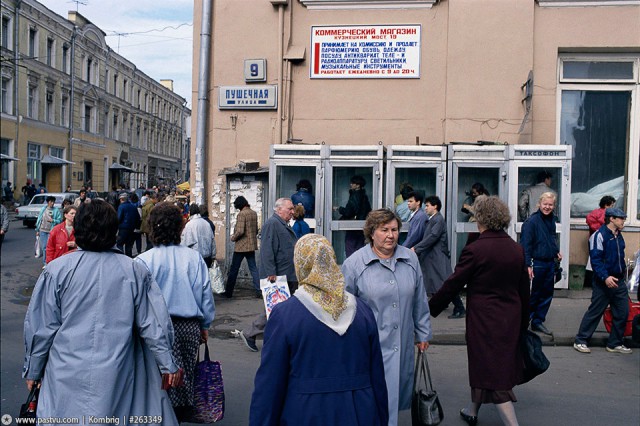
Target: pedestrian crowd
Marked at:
374, 311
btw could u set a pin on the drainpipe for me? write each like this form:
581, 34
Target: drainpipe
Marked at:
16, 83
72, 64
280, 60
206, 23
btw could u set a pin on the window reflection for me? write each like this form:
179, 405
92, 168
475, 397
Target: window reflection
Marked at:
474, 181
533, 182
412, 179
297, 183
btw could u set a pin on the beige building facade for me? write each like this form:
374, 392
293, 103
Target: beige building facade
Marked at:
76, 113
552, 74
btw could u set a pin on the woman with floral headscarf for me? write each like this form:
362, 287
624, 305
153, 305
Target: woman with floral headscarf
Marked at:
321, 360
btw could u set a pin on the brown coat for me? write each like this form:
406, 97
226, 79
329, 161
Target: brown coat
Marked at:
246, 231
497, 308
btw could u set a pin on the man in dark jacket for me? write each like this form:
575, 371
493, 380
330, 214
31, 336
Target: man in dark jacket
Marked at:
276, 259
606, 249
540, 255
128, 219
357, 208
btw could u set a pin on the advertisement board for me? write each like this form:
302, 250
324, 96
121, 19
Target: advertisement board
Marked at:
365, 51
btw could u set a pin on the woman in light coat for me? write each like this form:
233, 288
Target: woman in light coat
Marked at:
389, 279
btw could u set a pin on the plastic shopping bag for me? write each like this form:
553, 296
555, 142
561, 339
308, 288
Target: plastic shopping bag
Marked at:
37, 246
274, 293
217, 280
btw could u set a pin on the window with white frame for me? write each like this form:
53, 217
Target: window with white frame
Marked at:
125, 89
34, 168
32, 101
65, 58
6, 97
88, 72
116, 128
89, 118
7, 32
115, 85
33, 43
599, 112
51, 53
64, 110
56, 152
48, 107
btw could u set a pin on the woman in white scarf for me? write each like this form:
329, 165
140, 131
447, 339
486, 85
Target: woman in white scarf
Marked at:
321, 360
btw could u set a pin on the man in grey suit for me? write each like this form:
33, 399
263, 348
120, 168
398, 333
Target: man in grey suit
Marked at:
433, 253
276, 259
417, 219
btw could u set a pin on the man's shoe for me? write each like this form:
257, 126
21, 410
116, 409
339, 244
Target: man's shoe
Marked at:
471, 420
541, 328
456, 315
250, 342
582, 348
622, 349
258, 295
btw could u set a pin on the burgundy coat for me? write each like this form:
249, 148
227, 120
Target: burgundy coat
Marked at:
497, 282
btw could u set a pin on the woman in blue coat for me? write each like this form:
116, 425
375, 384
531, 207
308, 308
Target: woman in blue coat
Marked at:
299, 381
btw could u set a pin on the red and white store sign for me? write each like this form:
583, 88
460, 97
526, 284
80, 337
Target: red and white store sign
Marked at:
365, 51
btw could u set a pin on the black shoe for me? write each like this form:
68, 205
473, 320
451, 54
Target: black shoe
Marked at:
472, 420
456, 315
258, 295
541, 328
226, 295
250, 342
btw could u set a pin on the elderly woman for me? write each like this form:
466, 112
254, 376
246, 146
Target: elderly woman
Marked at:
183, 278
497, 282
97, 330
299, 381
62, 238
388, 277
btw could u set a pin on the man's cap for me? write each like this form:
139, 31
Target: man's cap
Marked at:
615, 212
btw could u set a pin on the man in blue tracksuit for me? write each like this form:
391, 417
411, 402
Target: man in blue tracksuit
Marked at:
540, 255
606, 249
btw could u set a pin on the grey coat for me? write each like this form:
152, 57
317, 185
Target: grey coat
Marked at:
276, 249
394, 290
433, 253
98, 334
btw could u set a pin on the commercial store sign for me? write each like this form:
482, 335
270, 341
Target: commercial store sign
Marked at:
248, 97
365, 51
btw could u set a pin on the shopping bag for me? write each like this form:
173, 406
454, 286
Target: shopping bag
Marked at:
28, 409
217, 280
37, 246
607, 318
426, 409
208, 391
274, 293
535, 361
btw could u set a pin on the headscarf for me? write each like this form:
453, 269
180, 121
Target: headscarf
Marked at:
320, 277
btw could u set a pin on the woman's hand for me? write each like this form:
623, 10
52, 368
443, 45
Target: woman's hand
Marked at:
31, 383
422, 346
204, 335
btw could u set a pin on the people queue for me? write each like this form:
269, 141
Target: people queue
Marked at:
374, 311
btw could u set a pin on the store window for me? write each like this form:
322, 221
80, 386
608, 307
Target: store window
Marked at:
597, 96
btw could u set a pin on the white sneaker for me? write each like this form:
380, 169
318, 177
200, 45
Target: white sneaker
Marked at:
622, 349
581, 347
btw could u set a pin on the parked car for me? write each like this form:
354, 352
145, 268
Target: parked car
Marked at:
29, 213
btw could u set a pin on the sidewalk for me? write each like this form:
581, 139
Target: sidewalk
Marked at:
563, 320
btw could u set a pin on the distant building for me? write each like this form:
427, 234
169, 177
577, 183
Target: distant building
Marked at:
75, 112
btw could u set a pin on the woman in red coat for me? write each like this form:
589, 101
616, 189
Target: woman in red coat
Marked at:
497, 282
62, 238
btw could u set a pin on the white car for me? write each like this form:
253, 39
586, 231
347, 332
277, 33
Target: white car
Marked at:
29, 213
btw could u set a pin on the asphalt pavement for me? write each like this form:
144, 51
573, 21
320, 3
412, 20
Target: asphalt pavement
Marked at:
563, 320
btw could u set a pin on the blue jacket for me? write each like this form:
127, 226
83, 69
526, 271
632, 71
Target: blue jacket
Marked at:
539, 238
301, 228
416, 228
128, 216
307, 200
607, 254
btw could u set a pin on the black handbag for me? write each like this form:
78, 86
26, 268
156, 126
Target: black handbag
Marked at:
426, 409
28, 409
535, 361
